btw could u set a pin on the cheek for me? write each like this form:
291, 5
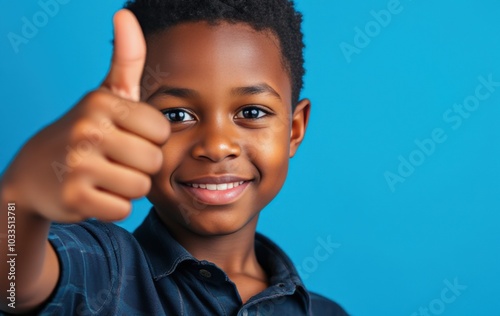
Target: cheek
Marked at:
173, 154
271, 153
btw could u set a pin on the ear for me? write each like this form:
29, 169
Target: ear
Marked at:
300, 118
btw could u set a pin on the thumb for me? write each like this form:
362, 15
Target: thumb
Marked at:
129, 56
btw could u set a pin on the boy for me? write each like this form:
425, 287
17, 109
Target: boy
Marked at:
207, 139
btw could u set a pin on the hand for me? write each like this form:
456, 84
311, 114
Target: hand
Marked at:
99, 156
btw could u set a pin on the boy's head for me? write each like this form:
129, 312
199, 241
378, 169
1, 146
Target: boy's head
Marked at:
277, 16
227, 76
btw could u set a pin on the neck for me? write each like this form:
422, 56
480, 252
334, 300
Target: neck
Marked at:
234, 253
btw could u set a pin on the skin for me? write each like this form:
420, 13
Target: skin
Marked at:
133, 154
216, 139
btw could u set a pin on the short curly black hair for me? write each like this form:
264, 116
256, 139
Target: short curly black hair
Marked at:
277, 16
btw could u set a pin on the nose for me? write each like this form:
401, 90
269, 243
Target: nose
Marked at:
216, 143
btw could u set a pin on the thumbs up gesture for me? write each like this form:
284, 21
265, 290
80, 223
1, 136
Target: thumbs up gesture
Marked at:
99, 156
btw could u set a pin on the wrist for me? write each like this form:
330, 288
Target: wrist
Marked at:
7, 191
9, 194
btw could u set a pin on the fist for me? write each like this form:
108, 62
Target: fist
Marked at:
99, 156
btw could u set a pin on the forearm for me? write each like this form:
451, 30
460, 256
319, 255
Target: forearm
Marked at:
28, 265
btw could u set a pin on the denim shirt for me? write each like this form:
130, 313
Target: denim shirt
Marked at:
105, 270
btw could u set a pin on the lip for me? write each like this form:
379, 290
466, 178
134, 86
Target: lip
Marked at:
216, 180
216, 197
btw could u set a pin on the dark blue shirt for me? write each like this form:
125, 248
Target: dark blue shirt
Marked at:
105, 270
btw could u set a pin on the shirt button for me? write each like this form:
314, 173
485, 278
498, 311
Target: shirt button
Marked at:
205, 273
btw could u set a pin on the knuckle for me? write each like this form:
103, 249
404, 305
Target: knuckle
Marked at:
120, 108
79, 158
73, 197
85, 169
99, 101
95, 98
79, 129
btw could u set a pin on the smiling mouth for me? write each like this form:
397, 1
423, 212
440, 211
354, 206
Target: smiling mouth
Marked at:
216, 187
223, 192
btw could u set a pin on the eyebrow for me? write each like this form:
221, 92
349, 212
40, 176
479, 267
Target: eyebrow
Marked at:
261, 88
176, 92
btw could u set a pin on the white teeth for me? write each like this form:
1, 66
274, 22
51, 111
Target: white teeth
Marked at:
212, 187
237, 184
222, 186
217, 187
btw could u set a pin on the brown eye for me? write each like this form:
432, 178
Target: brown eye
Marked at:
177, 115
251, 113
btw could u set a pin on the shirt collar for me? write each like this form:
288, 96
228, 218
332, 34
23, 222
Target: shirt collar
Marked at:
162, 251
164, 255
275, 262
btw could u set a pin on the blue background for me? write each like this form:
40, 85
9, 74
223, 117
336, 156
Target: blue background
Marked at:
396, 248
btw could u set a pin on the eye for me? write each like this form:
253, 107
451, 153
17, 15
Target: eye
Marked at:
177, 115
251, 113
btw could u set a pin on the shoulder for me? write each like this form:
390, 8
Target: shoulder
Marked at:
95, 241
96, 260
90, 244
321, 305
91, 233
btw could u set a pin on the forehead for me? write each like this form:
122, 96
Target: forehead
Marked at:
210, 57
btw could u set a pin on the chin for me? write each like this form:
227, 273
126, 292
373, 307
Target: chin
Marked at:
218, 225
204, 220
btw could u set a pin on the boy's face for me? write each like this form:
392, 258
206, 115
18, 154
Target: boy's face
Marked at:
228, 98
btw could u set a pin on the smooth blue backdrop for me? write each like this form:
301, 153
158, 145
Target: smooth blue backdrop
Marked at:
396, 249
